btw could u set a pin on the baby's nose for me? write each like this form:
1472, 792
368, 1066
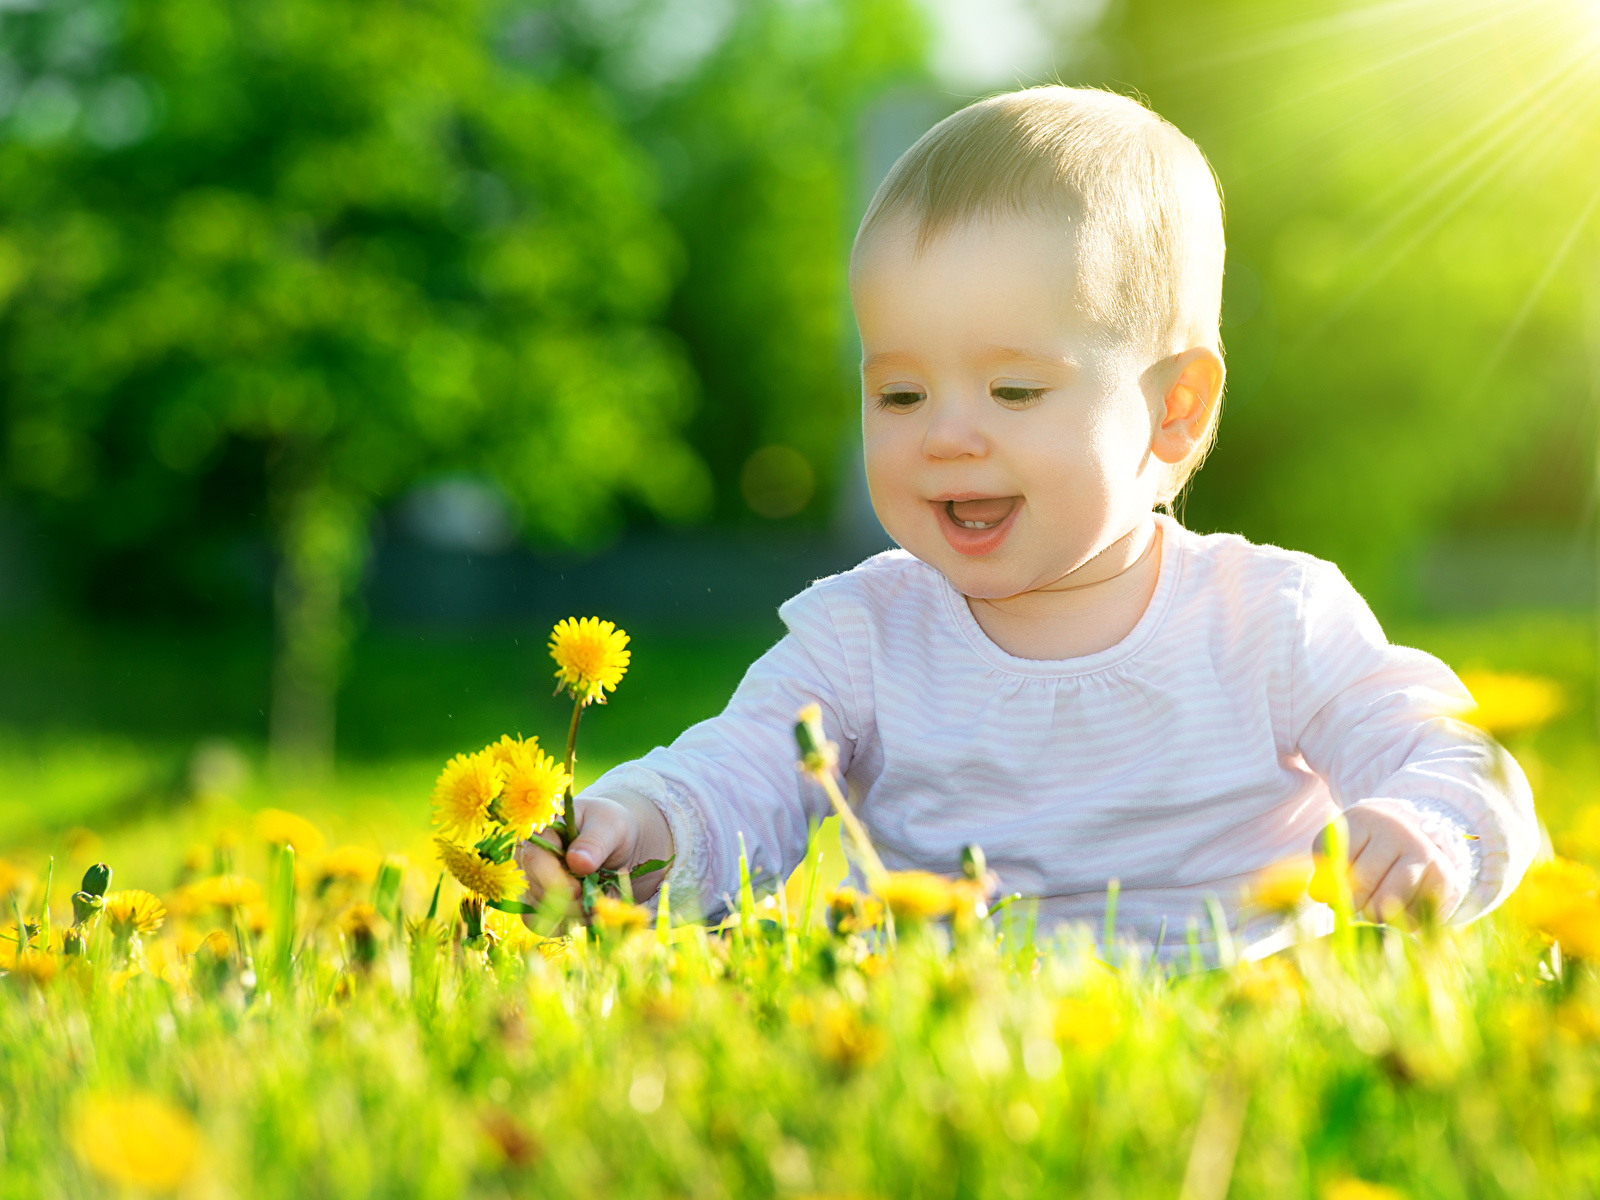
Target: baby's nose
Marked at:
953, 434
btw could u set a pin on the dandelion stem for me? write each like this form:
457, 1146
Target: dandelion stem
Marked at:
812, 876
44, 909
569, 823
871, 864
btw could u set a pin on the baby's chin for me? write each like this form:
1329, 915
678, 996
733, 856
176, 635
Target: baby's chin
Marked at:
994, 577
986, 585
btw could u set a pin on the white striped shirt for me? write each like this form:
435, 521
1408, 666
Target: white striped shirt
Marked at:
1256, 697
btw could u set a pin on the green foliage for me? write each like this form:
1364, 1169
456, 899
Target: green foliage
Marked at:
1410, 199
758, 143
344, 236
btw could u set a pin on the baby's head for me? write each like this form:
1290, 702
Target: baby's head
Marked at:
1037, 284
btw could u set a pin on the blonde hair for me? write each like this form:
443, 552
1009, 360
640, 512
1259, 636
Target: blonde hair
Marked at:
1138, 195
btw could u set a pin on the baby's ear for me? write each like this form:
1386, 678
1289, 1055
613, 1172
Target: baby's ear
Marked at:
1188, 407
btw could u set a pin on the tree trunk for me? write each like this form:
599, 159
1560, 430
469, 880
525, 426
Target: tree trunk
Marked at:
321, 549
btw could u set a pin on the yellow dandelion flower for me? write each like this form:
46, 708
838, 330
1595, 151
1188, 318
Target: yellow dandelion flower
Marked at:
1561, 900
615, 914
1507, 703
222, 891
279, 828
554, 949
133, 912
512, 935
591, 657
919, 895
1267, 982
118, 980
362, 921
14, 881
844, 1038
358, 864
1581, 839
1091, 1022
135, 1139
1359, 1189
158, 956
257, 917
465, 789
854, 912
509, 749
189, 939
1578, 1020
217, 944
535, 784
1281, 887
492, 881
29, 965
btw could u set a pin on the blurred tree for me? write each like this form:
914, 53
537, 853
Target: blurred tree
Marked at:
753, 112
1411, 194
322, 247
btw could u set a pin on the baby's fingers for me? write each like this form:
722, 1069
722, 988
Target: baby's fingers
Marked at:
1397, 889
1370, 863
544, 873
606, 838
1439, 890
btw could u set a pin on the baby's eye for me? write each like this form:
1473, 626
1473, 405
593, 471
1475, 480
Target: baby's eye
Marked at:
900, 397
1016, 395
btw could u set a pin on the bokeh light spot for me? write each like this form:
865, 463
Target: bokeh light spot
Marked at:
777, 481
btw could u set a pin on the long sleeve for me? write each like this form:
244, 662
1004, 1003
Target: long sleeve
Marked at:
735, 775
1375, 721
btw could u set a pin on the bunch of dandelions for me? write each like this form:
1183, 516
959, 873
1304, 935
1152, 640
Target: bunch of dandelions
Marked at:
511, 790
483, 804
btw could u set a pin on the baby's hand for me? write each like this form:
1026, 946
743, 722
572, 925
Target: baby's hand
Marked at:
1394, 867
617, 833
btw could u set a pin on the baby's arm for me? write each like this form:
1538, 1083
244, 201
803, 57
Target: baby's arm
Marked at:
729, 776
1437, 811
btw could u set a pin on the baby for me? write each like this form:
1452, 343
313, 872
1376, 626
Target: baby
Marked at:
1050, 667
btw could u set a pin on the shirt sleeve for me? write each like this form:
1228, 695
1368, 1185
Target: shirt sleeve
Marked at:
1375, 720
735, 777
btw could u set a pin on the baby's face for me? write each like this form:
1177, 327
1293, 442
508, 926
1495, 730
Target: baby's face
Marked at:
1008, 440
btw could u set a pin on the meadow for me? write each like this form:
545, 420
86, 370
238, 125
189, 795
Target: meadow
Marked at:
317, 1021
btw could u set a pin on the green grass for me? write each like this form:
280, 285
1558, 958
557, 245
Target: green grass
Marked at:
770, 1059
773, 1060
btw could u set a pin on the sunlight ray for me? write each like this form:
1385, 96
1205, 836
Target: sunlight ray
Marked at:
1436, 99
1297, 34
1430, 93
1517, 111
1557, 258
1435, 222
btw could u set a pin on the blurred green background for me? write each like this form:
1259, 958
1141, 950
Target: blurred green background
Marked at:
343, 345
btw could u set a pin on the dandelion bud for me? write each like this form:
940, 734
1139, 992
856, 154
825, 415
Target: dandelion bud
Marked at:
97, 879
472, 917
974, 864
364, 927
817, 754
86, 905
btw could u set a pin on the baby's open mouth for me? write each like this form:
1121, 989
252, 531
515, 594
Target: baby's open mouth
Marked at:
981, 514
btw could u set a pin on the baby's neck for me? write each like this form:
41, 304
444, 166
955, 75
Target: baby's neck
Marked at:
1089, 610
